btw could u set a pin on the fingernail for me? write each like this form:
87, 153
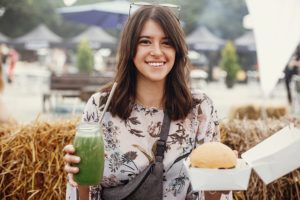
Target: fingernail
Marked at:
77, 159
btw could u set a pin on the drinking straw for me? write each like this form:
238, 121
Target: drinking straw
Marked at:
108, 101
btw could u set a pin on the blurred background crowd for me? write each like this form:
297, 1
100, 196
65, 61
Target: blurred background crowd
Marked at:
43, 40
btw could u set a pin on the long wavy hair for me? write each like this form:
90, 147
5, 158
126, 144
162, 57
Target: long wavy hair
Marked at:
177, 98
1, 75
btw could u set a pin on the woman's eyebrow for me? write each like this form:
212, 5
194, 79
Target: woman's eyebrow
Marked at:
149, 37
144, 37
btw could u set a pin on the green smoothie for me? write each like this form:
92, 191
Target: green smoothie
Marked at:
89, 147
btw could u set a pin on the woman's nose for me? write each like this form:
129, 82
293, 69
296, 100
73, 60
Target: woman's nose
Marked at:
156, 50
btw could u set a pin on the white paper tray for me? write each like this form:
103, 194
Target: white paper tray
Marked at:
219, 179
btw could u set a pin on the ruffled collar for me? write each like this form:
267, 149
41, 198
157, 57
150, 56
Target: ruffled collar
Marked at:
142, 108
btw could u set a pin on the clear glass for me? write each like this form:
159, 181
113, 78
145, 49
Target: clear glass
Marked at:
89, 147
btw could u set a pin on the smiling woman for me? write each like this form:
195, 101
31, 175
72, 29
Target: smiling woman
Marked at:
154, 120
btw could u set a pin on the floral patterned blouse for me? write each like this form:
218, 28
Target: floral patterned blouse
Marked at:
128, 143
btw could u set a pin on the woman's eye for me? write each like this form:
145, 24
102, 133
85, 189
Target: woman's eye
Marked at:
144, 42
168, 43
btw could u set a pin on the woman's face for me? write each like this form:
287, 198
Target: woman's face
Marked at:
155, 55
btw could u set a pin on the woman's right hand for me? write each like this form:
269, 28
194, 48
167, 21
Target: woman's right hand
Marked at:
70, 159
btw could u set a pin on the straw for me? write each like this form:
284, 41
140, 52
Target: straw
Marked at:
108, 101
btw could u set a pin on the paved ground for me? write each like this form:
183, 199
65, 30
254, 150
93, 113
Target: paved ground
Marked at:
25, 104
23, 98
242, 94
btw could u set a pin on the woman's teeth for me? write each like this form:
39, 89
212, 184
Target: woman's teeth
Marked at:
156, 64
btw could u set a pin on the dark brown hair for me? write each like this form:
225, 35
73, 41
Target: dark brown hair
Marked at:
1, 74
178, 98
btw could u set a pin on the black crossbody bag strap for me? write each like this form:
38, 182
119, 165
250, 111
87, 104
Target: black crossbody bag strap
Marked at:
161, 143
129, 190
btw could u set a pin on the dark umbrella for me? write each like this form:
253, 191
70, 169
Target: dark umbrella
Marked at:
203, 40
111, 14
246, 49
246, 42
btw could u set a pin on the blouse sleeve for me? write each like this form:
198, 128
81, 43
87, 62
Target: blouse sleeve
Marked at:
208, 128
91, 110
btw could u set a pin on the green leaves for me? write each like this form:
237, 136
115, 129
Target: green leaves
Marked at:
229, 61
85, 57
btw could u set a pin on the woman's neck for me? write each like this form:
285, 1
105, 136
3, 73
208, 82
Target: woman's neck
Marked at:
150, 95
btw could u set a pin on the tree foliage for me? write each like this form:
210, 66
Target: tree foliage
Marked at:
223, 17
22, 16
85, 59
229, 61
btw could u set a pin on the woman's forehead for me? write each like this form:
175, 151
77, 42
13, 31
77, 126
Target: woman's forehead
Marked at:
152, 28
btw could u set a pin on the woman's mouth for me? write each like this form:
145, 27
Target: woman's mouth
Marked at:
156, 64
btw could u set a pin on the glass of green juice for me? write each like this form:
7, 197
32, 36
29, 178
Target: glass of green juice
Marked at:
89, 147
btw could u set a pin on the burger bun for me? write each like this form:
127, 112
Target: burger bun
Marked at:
213, 155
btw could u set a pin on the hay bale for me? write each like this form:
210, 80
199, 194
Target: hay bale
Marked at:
254, 111
7, 128
32, 160
242, 135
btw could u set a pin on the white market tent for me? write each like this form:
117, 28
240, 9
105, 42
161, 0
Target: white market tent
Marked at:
40, 37
96, 37
3, 38
203, 39
246, 42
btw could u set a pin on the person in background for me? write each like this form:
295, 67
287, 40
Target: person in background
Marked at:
1, 71
152, 76
5, 117
12, 61
3, 111
3, 55
290, 70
